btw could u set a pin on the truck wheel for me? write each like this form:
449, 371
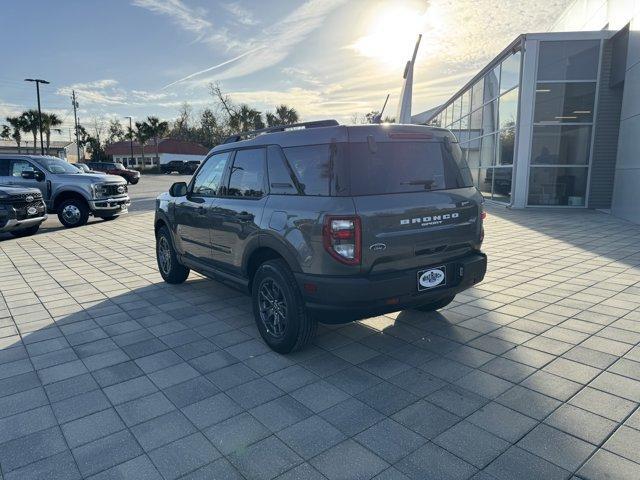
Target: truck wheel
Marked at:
437, 305
171, 271
73, 213
25, 232
279, 310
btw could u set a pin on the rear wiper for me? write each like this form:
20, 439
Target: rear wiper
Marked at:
427, 183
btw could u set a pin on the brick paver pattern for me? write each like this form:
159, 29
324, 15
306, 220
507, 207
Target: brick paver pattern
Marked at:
107, 372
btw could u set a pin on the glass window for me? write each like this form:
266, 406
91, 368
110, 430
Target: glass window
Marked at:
18, 166
312, 166
477, 95
510, 72
558, 186
247, 173
564, 102
508, 109
490, 117
491, 84
56, 165
561, 144
473, 152
207, 182
488, 152
282, 181
464, 129
569, 60
507, 139
455, 114
465, 104
475, 124
502, 179
397, 167
485, 181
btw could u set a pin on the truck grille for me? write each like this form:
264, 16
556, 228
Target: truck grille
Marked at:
22, 197
22, 209
112, 190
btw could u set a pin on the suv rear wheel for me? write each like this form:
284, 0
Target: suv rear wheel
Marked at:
170, 269
437, 305
73, 213
279, 310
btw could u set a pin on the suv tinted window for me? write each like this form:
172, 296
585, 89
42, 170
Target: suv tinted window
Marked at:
281, 179
207, 181
397, 167
247, 173
17, 166
313, 167
4, 167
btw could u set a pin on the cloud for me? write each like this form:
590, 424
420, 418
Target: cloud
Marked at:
242, 15
276, 42
103, 92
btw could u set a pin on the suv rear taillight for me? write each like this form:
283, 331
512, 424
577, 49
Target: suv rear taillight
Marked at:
342, 238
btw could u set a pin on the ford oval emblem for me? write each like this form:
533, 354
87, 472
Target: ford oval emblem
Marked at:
32, 210
378, 247
120, 189
28, 198
431, 278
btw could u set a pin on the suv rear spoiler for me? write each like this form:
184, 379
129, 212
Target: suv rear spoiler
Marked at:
281, 128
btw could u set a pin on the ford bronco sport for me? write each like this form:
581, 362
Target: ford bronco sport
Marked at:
325, 222
67, 191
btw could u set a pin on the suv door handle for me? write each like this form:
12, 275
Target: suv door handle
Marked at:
245, 216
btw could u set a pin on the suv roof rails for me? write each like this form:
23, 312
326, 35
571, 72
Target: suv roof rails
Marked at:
281, 128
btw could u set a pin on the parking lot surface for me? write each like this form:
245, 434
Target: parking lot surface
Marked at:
107, 372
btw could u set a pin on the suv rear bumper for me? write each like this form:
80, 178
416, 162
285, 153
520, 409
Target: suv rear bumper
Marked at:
341, 299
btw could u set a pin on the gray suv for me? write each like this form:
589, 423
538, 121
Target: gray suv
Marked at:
66, 190
325, 222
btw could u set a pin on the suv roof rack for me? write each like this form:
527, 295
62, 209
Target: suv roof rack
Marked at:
281, 128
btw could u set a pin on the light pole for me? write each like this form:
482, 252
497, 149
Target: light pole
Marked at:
38, 81
130, 138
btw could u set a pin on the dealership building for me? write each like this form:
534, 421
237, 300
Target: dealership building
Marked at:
554, 119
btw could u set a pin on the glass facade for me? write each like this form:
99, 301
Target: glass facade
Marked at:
483, 119
563, 122
561, 94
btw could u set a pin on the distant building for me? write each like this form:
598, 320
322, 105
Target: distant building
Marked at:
64, 149
554, 119
169, 149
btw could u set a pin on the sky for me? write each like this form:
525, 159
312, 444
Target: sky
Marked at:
326, 58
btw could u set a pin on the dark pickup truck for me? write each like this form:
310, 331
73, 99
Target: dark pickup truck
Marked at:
22, 210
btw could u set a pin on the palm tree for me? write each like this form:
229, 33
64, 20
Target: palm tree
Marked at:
156, 129
30, 124
284, 116
245, 119
16, 130
49, 123
141, 134
5, 133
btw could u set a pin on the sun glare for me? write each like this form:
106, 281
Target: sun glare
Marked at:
391, 35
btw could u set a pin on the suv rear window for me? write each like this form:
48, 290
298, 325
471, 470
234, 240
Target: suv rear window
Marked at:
398, 167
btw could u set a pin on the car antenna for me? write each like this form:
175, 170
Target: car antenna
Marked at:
378, 117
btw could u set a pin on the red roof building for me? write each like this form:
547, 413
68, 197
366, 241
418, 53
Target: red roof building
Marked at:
169, 149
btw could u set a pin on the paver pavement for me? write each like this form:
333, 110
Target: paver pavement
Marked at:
106, 372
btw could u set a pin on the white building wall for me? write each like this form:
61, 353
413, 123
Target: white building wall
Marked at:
614, 15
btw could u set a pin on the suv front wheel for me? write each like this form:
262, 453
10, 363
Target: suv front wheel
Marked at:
279, 310
73, 213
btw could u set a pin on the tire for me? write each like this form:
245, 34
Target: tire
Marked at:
291, 327
171, 271
73, 213
25, 232
437, 305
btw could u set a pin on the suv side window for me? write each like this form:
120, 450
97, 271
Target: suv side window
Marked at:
312, 165
247, 176
282, 180
17, 166
208, 180
4, 167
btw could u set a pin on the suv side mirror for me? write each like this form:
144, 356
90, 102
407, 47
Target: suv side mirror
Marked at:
178, 189
28, 174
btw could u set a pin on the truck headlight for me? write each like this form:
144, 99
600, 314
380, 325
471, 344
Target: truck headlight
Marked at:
98, 190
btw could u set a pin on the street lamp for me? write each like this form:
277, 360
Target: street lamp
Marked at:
130, 137
38, 81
